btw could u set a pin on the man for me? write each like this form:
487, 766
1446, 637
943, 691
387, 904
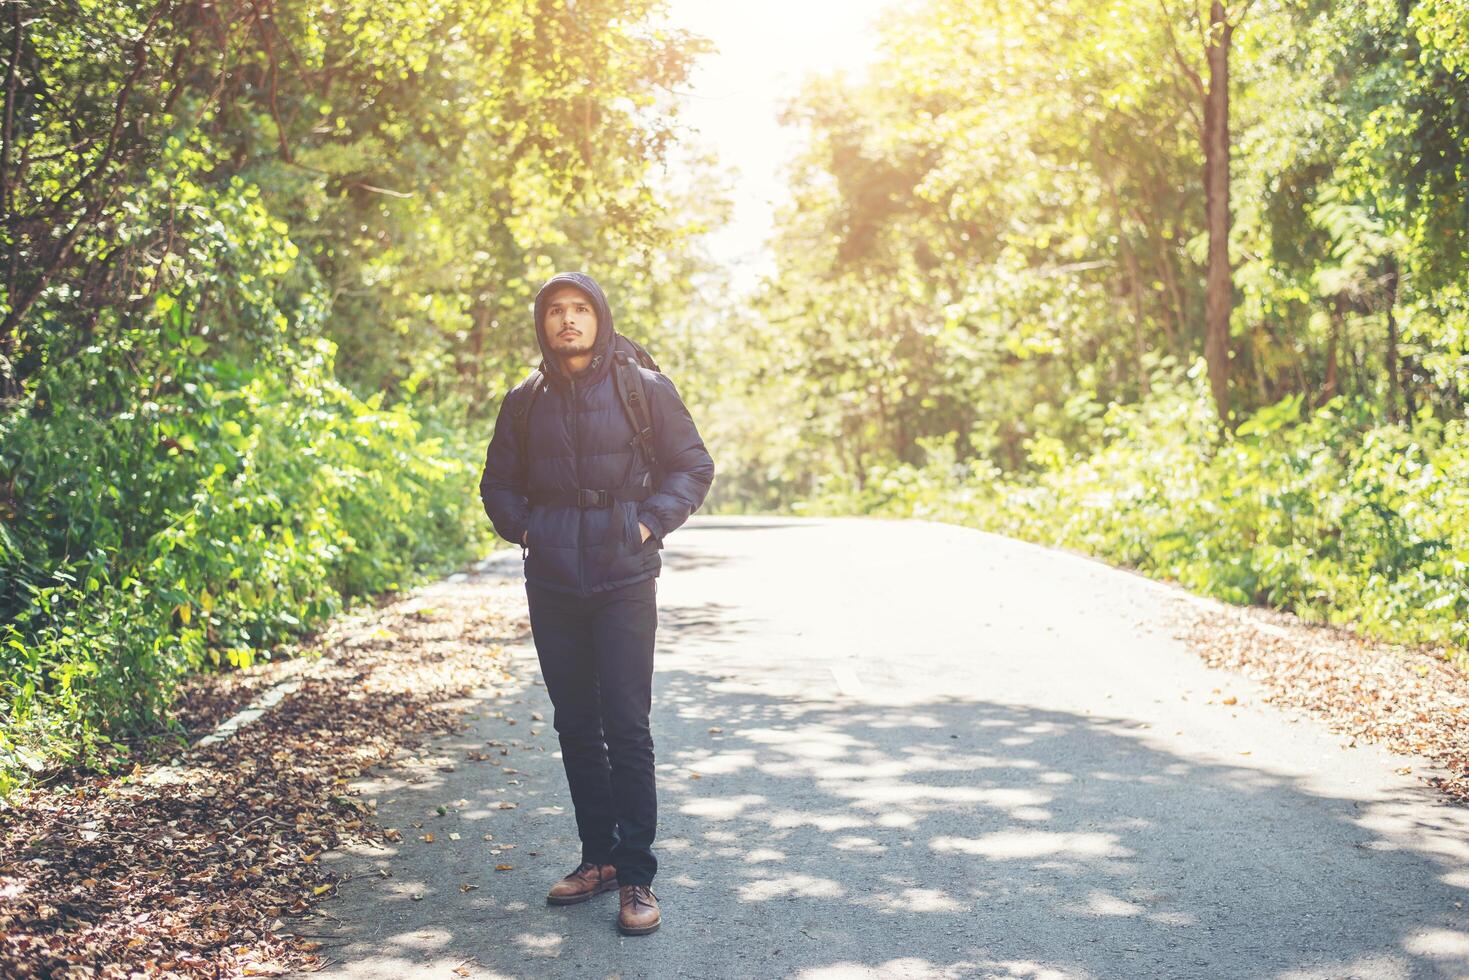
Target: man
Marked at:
591, 568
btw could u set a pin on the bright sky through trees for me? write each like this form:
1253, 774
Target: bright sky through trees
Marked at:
765, 49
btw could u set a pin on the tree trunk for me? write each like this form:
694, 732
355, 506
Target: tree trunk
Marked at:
1391, 346
1173, 323
1259, 344
471, 367
1139, 343
1219, 298
1359, 381
1329, 386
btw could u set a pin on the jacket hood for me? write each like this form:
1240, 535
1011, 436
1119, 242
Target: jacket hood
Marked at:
601, 347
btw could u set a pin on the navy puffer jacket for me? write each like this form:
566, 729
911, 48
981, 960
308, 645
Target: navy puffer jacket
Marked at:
579, 437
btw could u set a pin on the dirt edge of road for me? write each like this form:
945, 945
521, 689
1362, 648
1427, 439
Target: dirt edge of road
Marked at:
198, 866
1412, 701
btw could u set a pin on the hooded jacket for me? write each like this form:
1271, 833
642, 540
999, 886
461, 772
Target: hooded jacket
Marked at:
580, 438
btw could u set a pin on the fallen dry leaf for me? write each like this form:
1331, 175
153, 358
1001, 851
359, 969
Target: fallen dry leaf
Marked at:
161, 877
1413, 701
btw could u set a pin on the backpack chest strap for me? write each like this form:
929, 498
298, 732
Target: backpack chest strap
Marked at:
583, 497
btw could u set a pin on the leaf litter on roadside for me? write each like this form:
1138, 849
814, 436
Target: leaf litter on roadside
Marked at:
193, 869
1412, 701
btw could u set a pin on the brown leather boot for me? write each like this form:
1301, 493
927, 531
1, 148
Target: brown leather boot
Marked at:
637, 913
587, 880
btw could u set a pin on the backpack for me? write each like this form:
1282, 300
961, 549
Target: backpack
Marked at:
627, 356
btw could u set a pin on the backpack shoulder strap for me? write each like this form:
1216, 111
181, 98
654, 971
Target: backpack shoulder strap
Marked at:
639, 353
627, 378
520, 419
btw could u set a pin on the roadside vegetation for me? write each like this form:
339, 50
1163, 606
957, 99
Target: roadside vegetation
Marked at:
1182, 286
266, 275
1007, 295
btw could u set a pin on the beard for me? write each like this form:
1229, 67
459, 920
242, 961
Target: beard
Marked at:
573, 347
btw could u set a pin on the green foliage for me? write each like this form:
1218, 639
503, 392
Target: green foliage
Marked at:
1339, 517
1004, 218
201, 531
267, 274
993, 266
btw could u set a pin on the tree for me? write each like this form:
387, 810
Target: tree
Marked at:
1217, 33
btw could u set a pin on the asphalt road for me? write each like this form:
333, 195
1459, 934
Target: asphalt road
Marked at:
903, 749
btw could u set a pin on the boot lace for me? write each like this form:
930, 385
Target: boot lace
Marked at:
641, 894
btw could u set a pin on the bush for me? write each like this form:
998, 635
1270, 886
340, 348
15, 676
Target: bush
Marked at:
201, 529
1337, 517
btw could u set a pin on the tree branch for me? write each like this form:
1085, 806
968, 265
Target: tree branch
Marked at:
1184, 66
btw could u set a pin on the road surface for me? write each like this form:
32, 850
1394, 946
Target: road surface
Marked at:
906, 749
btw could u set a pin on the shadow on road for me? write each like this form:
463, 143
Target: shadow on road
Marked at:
949, 838
507, 565
709, 622
753, 524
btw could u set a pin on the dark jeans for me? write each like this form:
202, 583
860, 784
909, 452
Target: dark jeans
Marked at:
596, 654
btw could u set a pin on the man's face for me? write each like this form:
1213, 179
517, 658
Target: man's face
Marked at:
570, 323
